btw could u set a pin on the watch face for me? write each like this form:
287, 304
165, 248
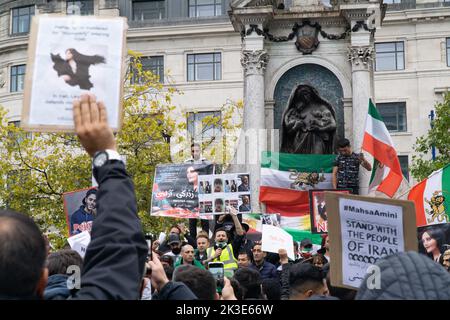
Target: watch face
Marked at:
100, 159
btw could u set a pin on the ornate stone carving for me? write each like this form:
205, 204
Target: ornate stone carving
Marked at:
254, 62
2, 79
361, 56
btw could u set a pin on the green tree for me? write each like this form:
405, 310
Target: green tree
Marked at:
439, 137
37, 169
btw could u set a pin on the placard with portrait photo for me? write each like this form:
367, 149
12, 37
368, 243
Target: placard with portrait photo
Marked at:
69, 56
80, 207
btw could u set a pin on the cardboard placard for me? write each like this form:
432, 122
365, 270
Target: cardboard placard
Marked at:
69, 56
373, 228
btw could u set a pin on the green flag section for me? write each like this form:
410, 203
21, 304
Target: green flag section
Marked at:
299, 235
432, 198
297, 227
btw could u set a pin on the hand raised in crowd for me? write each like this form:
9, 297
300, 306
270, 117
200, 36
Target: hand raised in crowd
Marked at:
91, 125
159, 278
283, 256
232, 210
227, 290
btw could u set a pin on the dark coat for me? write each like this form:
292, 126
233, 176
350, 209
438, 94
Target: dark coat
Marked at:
57, 287
175, 291
267, 271
408, 276
115, 258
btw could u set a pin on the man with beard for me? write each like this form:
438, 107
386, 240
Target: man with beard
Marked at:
174, 243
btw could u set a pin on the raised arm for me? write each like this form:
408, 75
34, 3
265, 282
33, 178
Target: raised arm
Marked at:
115, 259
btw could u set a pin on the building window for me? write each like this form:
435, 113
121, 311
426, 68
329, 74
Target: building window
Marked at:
204, 126
83, 7
389, 56
149, 10
205, 8
448, 51
205, 66
393, 115
20, 138
404, 165
154, 64
21, 18
17, 78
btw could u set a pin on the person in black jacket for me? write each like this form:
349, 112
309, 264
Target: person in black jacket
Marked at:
115, 258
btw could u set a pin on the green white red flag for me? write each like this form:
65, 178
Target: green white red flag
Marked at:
432, 198
285, 181
378, 142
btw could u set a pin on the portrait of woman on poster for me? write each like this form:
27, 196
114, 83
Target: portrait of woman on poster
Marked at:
192, 177
432, 241
74, 69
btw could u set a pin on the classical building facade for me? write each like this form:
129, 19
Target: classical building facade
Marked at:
221, 50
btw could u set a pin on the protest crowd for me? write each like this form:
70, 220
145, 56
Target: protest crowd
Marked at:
120, 264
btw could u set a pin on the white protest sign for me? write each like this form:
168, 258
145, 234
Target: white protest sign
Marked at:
363, 230
162, 237
368, 236
80, 242
274, 238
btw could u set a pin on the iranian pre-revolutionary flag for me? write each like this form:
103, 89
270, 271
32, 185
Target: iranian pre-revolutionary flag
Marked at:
377, 141
285, 181
432, 198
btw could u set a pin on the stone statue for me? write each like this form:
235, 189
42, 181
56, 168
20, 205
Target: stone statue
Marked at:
308, 123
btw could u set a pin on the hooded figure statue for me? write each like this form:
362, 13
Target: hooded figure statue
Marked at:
308, 123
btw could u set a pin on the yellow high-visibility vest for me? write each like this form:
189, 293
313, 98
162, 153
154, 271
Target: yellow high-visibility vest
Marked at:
227, 257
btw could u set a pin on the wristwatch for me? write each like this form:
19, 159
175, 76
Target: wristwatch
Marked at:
101, 157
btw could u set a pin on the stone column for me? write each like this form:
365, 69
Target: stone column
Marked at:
252, 140
361, 58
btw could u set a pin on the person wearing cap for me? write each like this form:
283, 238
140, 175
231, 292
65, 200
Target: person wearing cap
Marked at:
174, 243
247, 244
265, 268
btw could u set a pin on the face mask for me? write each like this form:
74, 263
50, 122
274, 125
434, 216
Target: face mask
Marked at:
176, 250
221, 244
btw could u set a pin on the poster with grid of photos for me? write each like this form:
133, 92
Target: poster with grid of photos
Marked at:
218, 191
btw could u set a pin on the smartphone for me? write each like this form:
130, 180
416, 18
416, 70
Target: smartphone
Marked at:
148, 238
216, 269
